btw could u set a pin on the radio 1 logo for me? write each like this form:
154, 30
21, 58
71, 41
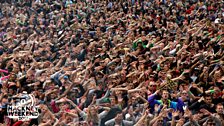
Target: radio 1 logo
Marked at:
23, 108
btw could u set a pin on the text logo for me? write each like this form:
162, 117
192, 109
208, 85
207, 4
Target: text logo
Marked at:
23, 108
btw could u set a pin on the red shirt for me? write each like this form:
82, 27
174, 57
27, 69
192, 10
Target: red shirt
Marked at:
18, 123
54, 107
188, 11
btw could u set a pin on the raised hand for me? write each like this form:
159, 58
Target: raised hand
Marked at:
157, 92
157, 107
201, 99
83, 99
197, 116
194, 85
187, 113
68, 100
205, 112
175, 113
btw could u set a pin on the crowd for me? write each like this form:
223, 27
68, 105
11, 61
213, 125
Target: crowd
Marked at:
114, 62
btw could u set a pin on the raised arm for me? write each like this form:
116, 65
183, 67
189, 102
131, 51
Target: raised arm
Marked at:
151, 98
105, 96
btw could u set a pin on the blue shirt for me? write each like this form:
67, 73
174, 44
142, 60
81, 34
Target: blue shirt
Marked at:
171, 104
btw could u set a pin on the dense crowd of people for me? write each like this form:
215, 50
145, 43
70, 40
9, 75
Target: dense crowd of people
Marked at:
114, 62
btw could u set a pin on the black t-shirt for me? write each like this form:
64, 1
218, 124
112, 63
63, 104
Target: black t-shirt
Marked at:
217, 100
220, 85
194, 91
110, 115
23, 81
24, 84
99, 93
216, 48
2, 114
125, 100
34, 122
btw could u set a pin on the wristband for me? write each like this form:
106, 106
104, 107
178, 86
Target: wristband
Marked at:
212, 91
216, 60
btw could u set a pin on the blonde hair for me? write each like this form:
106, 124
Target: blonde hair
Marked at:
92, 117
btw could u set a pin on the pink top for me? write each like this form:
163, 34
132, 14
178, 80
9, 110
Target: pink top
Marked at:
54, 107
4, 71
5, 77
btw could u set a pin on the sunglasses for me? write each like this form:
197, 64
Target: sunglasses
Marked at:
211, 124
160, 121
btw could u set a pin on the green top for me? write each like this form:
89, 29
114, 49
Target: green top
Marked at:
135, 44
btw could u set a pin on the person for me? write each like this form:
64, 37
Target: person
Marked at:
118, 120
211, 122
219, 112
165, 101
203, 102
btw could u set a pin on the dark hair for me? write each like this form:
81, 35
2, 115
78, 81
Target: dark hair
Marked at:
5, 96
207, 95
209, 120
118, 112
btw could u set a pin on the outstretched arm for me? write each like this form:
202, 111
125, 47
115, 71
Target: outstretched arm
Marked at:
151, 98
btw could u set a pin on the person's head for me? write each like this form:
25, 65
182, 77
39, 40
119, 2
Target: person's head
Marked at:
217, 74
30, 78
92, 114
141, 66
113, 100
12, 77
68, 119
26, 123
210, 122
123, 75
180, 122
82, 123
112, 67
184, 94
4, 100
53, 96
99, 76
64, 106
162, 74
152, 86
165, 95
208, 99
166, 67
219, 108
93, 110
118, 92
73, 94
133, 100
16, 69
119, 117
159, 122
44, 108
11, 91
